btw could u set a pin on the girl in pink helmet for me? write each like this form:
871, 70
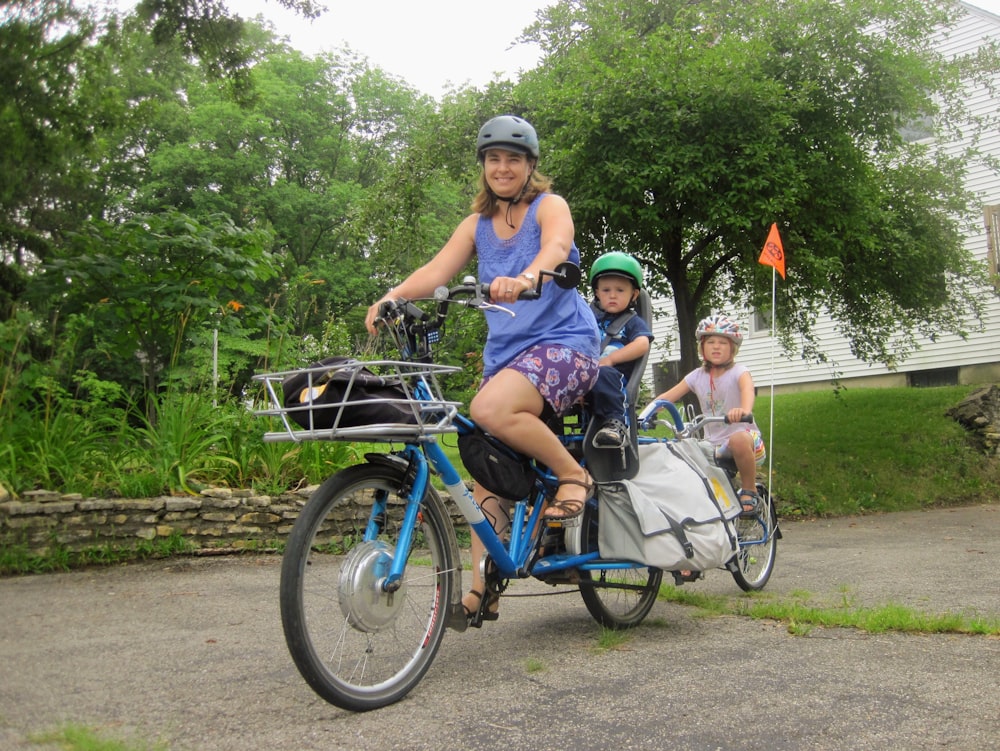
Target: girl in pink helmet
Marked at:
723, 387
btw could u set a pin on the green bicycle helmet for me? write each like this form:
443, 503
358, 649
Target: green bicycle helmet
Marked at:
507, 132
616, 263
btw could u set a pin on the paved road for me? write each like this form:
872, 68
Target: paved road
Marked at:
189, 653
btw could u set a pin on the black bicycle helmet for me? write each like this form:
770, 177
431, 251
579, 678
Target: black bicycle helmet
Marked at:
507, 132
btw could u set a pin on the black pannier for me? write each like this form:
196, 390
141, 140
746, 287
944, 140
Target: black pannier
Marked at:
495, 466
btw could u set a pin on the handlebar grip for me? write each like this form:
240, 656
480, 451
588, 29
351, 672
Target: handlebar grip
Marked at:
748, 418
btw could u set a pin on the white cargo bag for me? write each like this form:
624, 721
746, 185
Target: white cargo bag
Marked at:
667, 516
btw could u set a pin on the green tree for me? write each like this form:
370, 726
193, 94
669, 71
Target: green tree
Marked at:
146, 284
211, 32
705, 122
49, 134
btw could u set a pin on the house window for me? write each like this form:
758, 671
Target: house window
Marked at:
992, 214
760, 322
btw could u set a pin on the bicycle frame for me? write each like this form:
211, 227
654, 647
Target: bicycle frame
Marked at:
511, 558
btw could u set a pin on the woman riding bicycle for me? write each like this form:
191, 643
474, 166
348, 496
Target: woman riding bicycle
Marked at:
543, 359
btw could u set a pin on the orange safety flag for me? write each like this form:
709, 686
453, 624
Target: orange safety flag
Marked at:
774, 254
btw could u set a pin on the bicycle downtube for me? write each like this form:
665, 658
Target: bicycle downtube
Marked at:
469, 508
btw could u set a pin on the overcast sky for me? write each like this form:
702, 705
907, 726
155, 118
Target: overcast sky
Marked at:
429, 44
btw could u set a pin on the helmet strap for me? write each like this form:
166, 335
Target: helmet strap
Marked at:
512, 202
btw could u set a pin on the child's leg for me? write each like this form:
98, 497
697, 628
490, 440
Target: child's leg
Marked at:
608, 404
741, 447
608, 395
746, 449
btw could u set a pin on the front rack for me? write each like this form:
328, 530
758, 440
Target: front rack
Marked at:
432, 414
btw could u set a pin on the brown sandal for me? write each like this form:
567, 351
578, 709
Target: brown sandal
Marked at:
570, 507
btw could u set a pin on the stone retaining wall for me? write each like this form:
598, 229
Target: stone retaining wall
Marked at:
217, 518
979, 413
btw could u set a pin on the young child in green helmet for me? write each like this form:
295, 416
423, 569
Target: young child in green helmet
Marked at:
616, 279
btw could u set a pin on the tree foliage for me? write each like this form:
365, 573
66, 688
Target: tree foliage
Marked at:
705, 122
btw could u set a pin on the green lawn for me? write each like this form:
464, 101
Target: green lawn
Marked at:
863, 450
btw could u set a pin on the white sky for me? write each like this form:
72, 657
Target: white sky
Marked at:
427, 43
430, 44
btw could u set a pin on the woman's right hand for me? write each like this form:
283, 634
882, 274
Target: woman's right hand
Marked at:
373, 312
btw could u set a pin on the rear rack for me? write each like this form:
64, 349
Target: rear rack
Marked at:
432, 413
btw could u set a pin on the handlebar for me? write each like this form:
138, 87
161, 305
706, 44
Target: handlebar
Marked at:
682, 429
415, 330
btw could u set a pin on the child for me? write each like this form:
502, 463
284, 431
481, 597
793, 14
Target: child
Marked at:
725, 388
616, 279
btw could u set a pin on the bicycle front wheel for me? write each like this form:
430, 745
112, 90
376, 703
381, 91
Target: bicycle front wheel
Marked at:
617, 598
758, 545
358, 646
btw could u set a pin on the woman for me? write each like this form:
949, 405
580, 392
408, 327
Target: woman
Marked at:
543, 357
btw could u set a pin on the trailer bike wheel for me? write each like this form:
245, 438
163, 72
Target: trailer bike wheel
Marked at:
617, 598
753, 563
358, 646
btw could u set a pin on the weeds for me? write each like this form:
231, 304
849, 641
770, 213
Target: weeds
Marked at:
534, 665
801, 616
18, 559
611, 639
77, 738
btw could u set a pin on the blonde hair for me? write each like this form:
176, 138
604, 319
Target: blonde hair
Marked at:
486, 201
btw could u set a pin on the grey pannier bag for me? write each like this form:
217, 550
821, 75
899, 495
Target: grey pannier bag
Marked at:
667, 516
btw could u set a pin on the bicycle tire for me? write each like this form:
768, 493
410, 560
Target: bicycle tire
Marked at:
616, 598
752, 565
356, 646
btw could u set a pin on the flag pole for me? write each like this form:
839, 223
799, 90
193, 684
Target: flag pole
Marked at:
770, 425
773, 255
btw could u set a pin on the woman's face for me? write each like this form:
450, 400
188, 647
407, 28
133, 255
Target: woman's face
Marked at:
506, 172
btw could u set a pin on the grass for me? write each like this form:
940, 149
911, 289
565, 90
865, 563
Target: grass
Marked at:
801, 616
857, 451
18, 559
611, 639
77, 738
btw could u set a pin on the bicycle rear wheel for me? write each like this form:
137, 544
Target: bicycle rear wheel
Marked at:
617, 598
356, 645
753, 563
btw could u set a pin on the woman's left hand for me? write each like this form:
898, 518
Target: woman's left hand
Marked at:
508, 288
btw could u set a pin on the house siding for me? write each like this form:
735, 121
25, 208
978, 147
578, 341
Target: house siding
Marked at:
977, 357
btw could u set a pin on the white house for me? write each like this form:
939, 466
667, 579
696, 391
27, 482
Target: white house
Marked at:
949, 359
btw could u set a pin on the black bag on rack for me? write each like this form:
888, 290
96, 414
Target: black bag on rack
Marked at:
355, 393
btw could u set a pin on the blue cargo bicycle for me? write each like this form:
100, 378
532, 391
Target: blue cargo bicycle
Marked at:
371, 574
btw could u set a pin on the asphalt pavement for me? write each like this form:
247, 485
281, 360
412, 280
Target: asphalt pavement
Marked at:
188, 654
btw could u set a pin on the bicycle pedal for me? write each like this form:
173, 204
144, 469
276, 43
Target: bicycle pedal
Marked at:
563, 523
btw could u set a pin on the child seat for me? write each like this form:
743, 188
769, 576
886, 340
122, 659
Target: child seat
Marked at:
607, 464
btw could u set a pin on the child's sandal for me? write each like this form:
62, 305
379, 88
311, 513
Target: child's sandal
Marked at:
749, 502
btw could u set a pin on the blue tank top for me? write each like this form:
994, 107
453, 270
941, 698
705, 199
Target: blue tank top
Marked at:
559, 316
